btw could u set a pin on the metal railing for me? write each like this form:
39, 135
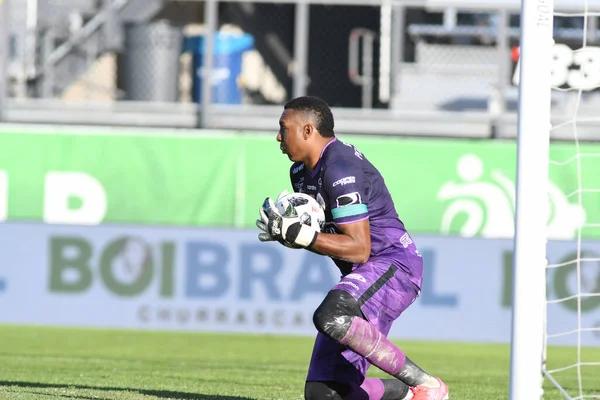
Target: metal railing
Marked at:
468, 94
358, 61
4, 57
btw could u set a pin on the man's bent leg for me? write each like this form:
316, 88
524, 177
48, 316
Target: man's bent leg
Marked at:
333, 319
331, 360
336, 370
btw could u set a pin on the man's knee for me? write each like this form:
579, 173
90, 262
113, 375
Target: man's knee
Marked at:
334, 315
314, 390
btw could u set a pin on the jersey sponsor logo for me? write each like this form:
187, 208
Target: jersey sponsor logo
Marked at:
357, 277
298, 169
348, 199
344, 181
311, 187
406, 240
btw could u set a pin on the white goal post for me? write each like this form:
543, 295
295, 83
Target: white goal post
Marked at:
533, 143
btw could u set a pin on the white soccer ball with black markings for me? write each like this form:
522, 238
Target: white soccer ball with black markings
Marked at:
304, 206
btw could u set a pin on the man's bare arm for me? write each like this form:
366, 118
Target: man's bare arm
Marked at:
352, 245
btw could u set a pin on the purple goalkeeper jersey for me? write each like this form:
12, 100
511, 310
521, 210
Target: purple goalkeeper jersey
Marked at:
351, 189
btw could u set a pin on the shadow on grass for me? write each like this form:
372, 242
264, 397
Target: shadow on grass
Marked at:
165, 394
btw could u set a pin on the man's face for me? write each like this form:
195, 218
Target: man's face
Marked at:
290, 135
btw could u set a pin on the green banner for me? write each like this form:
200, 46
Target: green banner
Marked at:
453, 186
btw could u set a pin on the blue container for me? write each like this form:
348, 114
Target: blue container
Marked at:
227, 65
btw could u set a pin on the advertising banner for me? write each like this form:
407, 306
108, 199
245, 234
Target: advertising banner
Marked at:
220, 179
225, 280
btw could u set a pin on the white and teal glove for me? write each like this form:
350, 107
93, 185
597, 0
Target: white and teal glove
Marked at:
286, 228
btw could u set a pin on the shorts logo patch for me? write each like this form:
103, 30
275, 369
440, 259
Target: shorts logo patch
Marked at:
406, 240
348, 199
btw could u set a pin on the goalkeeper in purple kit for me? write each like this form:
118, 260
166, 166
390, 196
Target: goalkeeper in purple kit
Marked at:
380, 265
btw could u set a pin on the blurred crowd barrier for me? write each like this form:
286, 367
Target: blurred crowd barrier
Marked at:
418, 67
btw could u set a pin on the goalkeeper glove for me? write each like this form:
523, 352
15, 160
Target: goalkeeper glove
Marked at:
286, 228
262, 222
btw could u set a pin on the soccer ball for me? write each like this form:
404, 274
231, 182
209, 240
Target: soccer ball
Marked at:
307, 208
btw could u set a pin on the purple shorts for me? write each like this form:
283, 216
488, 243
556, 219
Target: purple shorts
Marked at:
383, 291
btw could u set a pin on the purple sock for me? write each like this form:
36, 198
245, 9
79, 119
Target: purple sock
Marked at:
374, 388
371, 389
366, 340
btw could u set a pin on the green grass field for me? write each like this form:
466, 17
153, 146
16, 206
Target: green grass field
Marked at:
50, 363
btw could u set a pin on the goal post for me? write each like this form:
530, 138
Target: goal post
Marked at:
531, 204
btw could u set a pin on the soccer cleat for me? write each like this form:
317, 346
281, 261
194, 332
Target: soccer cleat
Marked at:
426, 393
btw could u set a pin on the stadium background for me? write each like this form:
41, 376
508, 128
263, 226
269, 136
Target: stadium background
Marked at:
129, 186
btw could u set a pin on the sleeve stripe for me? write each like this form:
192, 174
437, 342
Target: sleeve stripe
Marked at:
349, 211
351, 222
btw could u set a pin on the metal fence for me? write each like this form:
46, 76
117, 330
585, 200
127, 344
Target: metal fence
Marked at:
387, 67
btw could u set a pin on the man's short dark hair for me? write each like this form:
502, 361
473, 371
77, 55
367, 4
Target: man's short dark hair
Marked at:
319, 110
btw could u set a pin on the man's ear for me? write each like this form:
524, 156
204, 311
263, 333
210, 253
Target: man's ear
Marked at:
307, 131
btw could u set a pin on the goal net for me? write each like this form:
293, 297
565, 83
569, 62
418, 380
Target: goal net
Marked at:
571, 365
564, 76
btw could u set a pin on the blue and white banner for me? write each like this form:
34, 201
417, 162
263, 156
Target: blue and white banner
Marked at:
227, 281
